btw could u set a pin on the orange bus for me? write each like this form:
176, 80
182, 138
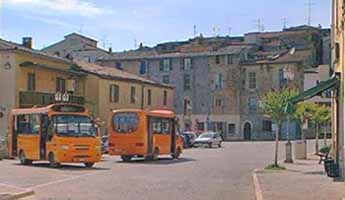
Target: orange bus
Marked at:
142, 133
58, 133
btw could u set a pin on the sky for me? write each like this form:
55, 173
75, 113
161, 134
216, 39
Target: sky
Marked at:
124, 24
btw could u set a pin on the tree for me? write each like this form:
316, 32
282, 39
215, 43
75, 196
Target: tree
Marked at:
320, 115
303, 112
274, 105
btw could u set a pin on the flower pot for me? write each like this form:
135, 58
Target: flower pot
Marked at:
331, 168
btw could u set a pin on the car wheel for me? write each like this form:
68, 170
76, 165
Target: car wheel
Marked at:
52, 161
89, 165
210, 145
126, 158
220, 145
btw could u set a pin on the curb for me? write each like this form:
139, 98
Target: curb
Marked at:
18, 195
257, 187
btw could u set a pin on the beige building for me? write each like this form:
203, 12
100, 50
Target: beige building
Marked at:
29, 77
109, 88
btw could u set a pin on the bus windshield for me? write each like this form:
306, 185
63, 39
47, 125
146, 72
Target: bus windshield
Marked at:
74, 126
125, 122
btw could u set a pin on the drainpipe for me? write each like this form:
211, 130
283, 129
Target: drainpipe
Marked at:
142, 96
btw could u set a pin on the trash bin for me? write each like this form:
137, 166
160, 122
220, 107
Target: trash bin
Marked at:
301, 150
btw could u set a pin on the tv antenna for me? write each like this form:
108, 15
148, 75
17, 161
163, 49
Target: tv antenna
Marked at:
285, 22
194, 30
260, 26
310, 4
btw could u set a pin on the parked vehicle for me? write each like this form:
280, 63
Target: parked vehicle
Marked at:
105, 144
142, 133
189, 138
58, 133
208, 138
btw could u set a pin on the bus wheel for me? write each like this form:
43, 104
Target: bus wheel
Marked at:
177, 154
23, 159
52, 161
88, 165
126, 158
155, 154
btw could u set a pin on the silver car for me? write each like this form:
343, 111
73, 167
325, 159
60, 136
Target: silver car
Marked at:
209, 139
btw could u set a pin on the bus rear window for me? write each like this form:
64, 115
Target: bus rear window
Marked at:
125, 122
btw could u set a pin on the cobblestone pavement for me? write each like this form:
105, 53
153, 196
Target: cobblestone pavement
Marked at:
203, 173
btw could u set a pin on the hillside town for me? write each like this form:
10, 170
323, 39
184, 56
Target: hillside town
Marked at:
268, 105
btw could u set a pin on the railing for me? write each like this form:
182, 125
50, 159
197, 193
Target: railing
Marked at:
29, 99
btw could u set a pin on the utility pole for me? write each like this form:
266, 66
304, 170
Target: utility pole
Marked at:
309, 4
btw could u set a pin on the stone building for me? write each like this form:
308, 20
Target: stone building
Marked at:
78, 47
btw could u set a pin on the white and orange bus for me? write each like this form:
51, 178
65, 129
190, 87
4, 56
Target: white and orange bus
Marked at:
142, 133
58, 133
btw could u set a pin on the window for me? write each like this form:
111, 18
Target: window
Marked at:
28, 124
166, 79
60, 85
252, 80
267, 125
186, 106
165, 65
161, 125
125, 122
219, 81
201, 126
118, 65
114, 93
186, 82
149, 97
230, 59
187, 64
282, 79
219, 102
165, 98
217, 59
252, 104
132, 95
143, 67
31, 82
231, 128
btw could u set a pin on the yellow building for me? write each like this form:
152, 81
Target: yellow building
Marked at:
29, 77
109, 88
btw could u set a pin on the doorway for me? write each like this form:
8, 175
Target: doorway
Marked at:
247, 131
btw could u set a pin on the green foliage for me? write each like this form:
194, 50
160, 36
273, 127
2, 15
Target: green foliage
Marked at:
274, 167
304, 111
325, 149
321, 114
274, 103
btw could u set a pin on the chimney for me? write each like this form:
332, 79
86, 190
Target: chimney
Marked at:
27, 42
110, 50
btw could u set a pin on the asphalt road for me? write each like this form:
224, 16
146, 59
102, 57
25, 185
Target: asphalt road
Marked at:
202, 173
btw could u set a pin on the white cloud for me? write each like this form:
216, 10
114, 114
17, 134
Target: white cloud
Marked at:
74, 7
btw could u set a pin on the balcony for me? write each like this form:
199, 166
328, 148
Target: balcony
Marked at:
29, 99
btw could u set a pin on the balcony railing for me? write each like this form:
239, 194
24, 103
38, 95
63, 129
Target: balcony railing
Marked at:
29, 99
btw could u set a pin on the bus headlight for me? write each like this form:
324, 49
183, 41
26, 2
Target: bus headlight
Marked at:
64, 147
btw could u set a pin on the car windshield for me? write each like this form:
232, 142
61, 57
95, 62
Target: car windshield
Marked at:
74, 126
207, 135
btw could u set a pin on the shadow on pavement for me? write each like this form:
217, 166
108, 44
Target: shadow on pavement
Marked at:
80, 167
160, 161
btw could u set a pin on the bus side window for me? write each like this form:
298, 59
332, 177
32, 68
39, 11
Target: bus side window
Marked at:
22, 125
50, 130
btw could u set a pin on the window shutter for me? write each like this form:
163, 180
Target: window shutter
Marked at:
182, 63
161, 65
170, 64
191, 63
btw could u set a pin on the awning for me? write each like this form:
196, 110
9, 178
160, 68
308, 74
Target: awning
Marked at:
312, 92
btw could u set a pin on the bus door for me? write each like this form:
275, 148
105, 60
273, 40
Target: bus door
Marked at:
44, 136
150, 136
28, 131
173, 136
13, 137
